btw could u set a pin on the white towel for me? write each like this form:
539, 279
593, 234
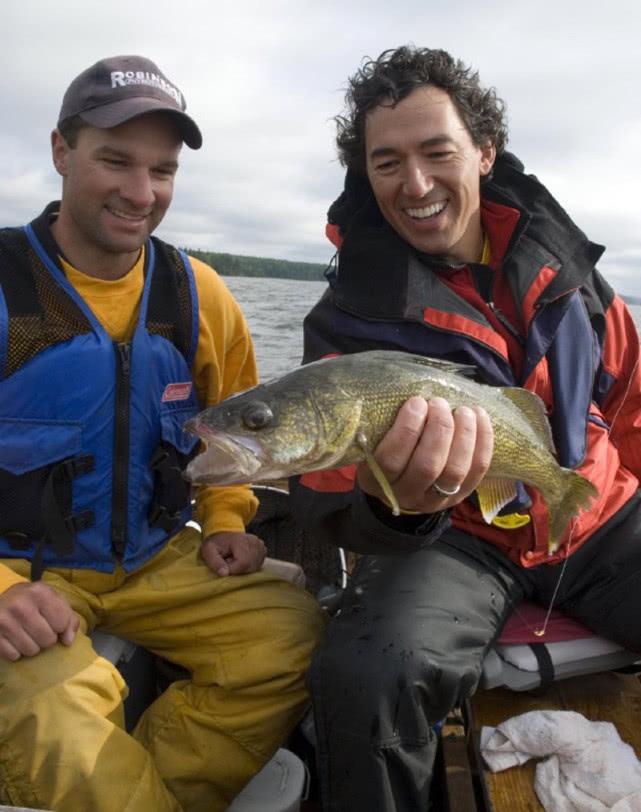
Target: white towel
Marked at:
587, 767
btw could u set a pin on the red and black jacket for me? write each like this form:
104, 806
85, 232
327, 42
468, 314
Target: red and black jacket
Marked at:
539, 316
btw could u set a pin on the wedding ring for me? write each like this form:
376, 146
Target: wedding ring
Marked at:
442, 492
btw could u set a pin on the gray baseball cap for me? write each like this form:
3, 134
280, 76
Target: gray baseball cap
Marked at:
119, 88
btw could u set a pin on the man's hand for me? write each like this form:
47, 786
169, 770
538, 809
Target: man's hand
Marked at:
427, 446
33, 617
233, 553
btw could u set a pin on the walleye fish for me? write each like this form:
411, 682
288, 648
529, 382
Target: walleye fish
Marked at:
335, 411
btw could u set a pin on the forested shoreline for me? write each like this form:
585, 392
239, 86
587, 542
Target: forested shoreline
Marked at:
234, 265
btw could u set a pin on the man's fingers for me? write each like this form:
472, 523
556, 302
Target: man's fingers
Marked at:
24, 644
56, 612
249, 555
60, 619
212, 556
239, 566
440, 466
32, 616
430, 455
396, 448
8, 651
484, 444
29, 633
233, 552
69, 634
469, 459
34, 638
460, 452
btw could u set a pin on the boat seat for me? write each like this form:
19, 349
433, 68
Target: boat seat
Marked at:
523, 661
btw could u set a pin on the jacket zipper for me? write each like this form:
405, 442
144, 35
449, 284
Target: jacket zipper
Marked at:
120, 481
506, 323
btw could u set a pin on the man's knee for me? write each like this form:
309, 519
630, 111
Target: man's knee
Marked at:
386, 690
286, 628
299, 636
61, 683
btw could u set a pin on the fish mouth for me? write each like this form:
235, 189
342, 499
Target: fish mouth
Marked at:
226, 459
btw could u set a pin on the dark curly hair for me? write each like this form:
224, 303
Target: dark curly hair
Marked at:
394, 75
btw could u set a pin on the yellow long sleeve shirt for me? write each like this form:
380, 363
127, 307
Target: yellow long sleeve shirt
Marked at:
224, 364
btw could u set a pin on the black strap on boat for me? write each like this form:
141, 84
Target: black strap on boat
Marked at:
546, 666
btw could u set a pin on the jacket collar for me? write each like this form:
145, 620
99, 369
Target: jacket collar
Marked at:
42, 229
544, 231
381, 276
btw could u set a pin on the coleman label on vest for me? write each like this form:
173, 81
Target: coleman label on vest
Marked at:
176, 391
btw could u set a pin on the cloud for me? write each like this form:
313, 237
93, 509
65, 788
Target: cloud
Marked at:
264, 79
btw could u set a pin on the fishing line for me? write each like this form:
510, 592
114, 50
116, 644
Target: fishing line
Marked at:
625, 396
540, 632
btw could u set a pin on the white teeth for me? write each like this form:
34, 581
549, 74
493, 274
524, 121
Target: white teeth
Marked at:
427, 211
126, 216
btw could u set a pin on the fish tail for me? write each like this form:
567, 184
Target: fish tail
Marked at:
576, 492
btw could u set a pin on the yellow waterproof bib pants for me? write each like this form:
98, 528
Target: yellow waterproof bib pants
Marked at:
247, 641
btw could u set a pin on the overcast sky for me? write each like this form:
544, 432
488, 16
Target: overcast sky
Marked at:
263, 79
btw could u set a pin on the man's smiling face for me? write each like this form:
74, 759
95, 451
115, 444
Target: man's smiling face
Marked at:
118, 184
425, 173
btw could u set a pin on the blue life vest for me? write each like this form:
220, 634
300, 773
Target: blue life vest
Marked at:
91, 438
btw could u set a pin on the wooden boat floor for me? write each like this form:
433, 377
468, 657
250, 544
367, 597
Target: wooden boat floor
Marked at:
609, 697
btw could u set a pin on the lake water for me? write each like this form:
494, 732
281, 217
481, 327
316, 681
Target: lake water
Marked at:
275, 308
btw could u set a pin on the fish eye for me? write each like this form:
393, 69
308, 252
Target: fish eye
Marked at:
257, 415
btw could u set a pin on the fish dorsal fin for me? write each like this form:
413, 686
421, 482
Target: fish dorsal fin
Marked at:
493, 494
448, 366
534, 412
425, 361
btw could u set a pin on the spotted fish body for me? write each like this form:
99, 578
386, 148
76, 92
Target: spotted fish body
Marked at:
335, 412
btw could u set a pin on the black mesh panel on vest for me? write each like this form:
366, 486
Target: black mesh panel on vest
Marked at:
41, 313
169, 312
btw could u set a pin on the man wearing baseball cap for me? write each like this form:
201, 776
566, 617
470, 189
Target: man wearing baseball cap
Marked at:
118, 89
109, 340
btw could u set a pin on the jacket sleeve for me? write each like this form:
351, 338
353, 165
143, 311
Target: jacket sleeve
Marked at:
329, 504
224, 364
621, 377
357, 522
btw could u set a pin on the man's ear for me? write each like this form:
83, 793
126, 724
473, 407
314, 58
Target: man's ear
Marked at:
488, 156
59, 152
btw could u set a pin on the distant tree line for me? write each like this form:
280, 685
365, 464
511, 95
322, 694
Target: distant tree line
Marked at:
233, 265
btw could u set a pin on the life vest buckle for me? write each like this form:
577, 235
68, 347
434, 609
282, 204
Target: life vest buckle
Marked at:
159, 516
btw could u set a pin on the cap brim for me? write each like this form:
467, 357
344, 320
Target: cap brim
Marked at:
111, 115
